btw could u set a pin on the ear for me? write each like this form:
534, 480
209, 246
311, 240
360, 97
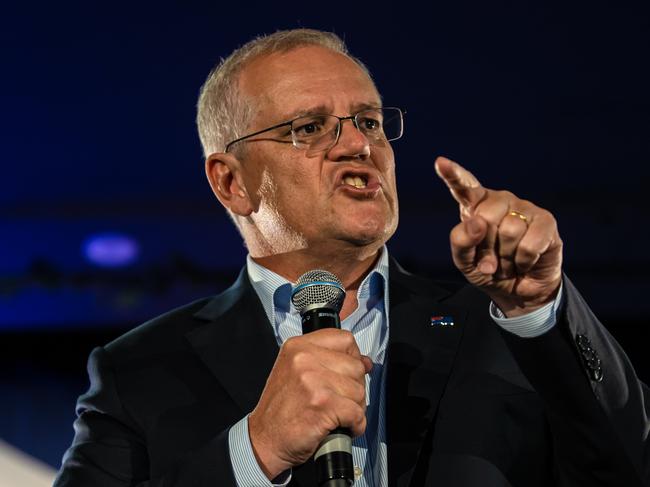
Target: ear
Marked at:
224, 174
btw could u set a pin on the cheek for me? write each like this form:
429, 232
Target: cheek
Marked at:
299, 176
388, 170
295, 190
384, 158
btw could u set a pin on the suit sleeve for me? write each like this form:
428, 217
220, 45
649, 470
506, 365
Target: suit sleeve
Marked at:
596, 405
110, 450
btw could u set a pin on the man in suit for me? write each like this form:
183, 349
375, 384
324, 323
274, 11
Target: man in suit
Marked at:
226, 391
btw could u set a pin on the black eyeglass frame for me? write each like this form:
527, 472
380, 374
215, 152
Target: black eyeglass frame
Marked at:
353, 118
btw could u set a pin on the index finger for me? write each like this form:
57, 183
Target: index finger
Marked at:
462, 184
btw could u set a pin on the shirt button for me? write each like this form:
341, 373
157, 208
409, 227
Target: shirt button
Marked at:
357, 472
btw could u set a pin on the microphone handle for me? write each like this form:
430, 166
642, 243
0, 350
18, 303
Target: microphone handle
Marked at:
333, 457
337, 483
318, 319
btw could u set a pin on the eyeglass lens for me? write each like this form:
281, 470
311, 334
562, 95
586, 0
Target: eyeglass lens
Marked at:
319, 132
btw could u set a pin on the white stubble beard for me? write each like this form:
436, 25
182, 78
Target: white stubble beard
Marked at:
270, 234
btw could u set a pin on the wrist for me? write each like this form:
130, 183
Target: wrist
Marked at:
269, 462
513, 307
511, 310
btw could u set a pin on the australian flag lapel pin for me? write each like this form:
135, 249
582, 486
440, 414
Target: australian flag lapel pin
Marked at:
442, 321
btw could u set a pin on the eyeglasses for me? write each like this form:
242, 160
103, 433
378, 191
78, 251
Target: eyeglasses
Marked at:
320, 132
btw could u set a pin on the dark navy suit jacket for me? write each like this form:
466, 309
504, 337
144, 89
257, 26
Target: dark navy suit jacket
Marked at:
468, 404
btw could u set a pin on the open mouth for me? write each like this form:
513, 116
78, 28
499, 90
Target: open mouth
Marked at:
358, 181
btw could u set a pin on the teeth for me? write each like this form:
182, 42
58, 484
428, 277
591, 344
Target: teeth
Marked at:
356, 181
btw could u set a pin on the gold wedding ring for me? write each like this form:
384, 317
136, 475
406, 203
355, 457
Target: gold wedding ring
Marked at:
521, 216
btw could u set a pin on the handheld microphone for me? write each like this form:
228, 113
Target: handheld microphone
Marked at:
318, 297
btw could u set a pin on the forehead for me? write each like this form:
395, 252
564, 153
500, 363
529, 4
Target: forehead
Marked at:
281, 85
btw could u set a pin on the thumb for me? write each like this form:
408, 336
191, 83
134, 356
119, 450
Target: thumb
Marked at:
476, 228
465, 238
367, 363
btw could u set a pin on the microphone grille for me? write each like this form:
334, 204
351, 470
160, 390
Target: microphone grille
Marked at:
318, 288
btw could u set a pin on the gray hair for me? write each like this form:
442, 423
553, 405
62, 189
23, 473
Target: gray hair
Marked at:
223, 115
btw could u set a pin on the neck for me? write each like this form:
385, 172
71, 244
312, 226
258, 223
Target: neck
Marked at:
350, 266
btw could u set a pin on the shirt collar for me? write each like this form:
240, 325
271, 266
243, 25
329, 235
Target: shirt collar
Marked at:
274, 290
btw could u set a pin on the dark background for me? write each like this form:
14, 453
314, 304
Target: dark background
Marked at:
97, 137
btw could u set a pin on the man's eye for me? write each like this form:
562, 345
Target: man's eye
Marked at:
370, 124
308, 128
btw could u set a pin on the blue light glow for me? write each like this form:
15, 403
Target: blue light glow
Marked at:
111, 250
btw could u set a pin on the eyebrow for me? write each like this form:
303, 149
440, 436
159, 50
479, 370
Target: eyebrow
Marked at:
324, 109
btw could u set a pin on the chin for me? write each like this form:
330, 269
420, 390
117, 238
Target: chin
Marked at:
372, 233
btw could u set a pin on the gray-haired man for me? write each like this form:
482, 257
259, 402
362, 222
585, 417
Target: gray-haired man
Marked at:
226, 391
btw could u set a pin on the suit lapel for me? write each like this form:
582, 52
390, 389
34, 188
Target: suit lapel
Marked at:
238, 337
239, 347
238, 344
420, 359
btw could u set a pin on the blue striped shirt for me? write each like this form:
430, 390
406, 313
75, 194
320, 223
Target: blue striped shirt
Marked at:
369, 324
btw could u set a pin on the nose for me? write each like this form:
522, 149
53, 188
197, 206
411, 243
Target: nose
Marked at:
352, 143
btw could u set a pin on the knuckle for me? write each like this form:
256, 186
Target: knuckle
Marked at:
349, 420
320, 399
496, 197
458, 237
306, 378
457, 233
525, 203
527, 250
360, 416
347, 338
359, 421
359, 368
348, 342
544, 214
290, 344
360, 394
508, 230
299, 359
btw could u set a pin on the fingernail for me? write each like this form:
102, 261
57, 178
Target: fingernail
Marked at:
485, 268
437, 169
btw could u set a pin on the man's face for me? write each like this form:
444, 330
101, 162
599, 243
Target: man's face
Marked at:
308, 199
